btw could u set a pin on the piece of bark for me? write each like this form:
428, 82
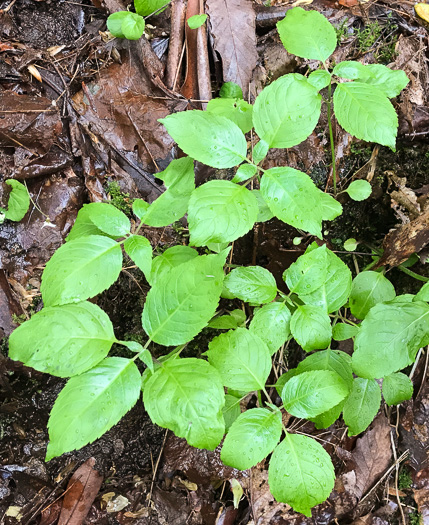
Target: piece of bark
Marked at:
177, 31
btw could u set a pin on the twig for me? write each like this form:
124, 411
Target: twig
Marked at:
398, 499
149, 496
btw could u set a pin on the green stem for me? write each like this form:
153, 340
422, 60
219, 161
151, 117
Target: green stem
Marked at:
331, 138
413, 274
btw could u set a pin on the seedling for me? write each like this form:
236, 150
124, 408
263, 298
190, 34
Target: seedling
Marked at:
199, 399
19, 202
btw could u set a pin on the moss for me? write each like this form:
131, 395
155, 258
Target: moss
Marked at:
415, 518
120, 200
381, 39
404, 481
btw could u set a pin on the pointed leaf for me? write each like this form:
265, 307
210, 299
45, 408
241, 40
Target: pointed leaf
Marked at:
84, 226
423, 294
172, 257
368, 289
287, 111
186, 396
344, 331
140, 208
351, 70
140, 251
91, 403
397, 388
260, 151
19, 201
81, 269
63, 340
301, 473
272, 324
182, 301
244, 172
231, 410
242, 359
105, 217
390, 82
264, 212
252, 436
311, 327
309, 394
329, 417
252, 284
362, 405
366, 113
220, 211
212, 140
237, 110
331, 360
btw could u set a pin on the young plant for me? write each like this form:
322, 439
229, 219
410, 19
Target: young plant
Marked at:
199, 399
125, 24
18, 204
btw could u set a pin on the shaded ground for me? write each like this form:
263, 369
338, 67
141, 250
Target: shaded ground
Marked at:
101, 140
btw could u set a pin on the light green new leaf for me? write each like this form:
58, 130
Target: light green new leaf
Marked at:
397, 388
264, 212
124, 24
284, 378
309, 271
220, 211
366, 113
287, 111
212, 140
309, 394
344, 331
19, 201
140, 251
362, 405
307, 34
352, 70
251, 284
389, 81
182, 301
81, 269
147, 7
331, 360
351, 244
329, 417
368, 289
196, 21
186, 396
311, 327
242, 359
260, 151
173, 203
172, 257
140, 208
144, 355
359, 190
63, 340
301, 473
114, 23
230, 90
423, 294
319, 79
231, 410
331, 208
84, 226
252, 436
105, 217
91, 403
237, 110
244, 172
272, 324
389, 338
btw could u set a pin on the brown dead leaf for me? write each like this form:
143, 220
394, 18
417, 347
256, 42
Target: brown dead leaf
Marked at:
421, 494
264, 506
232, 24
81, 491
369, 460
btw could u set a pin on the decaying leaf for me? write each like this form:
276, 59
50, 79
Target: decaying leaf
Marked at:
421, 494
264, 506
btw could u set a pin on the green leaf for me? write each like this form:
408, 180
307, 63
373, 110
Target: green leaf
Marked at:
173, 203
84, 226
362, 405
308, 273
114, 23
319, 79
359, 190
196, 21
106, 218
252, 284
244, 172
63, 340
309, 394
336, 288
212, 140
390, 82
368, 289
182, 301
352, 70
301, 473
140, 208
172, 257
307, 34
351, 244
231, 410
81, 269
91, 403
242, 359
230, 90
272, 324
144, 355
293, 198
147, 7
397, 388
186, 396
423, 294
19, 201
331, 360
217, 247
389, 338
224, 322
311, 327
264, 212
284, 378
140, 251
344, 331
287, 111
220, 211
366, 113
260, 151
252, 436
133, 26
330, 207
237, 110
329, 417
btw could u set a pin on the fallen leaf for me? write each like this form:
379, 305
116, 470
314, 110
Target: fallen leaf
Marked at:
81, 491
421, 494
232, 25
422, 10
263, 504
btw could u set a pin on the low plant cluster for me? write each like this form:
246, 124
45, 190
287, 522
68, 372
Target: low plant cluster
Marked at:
199, 398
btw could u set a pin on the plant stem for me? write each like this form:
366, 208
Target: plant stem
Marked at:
331, 138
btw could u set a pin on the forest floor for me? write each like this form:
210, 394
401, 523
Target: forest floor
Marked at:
79, 123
